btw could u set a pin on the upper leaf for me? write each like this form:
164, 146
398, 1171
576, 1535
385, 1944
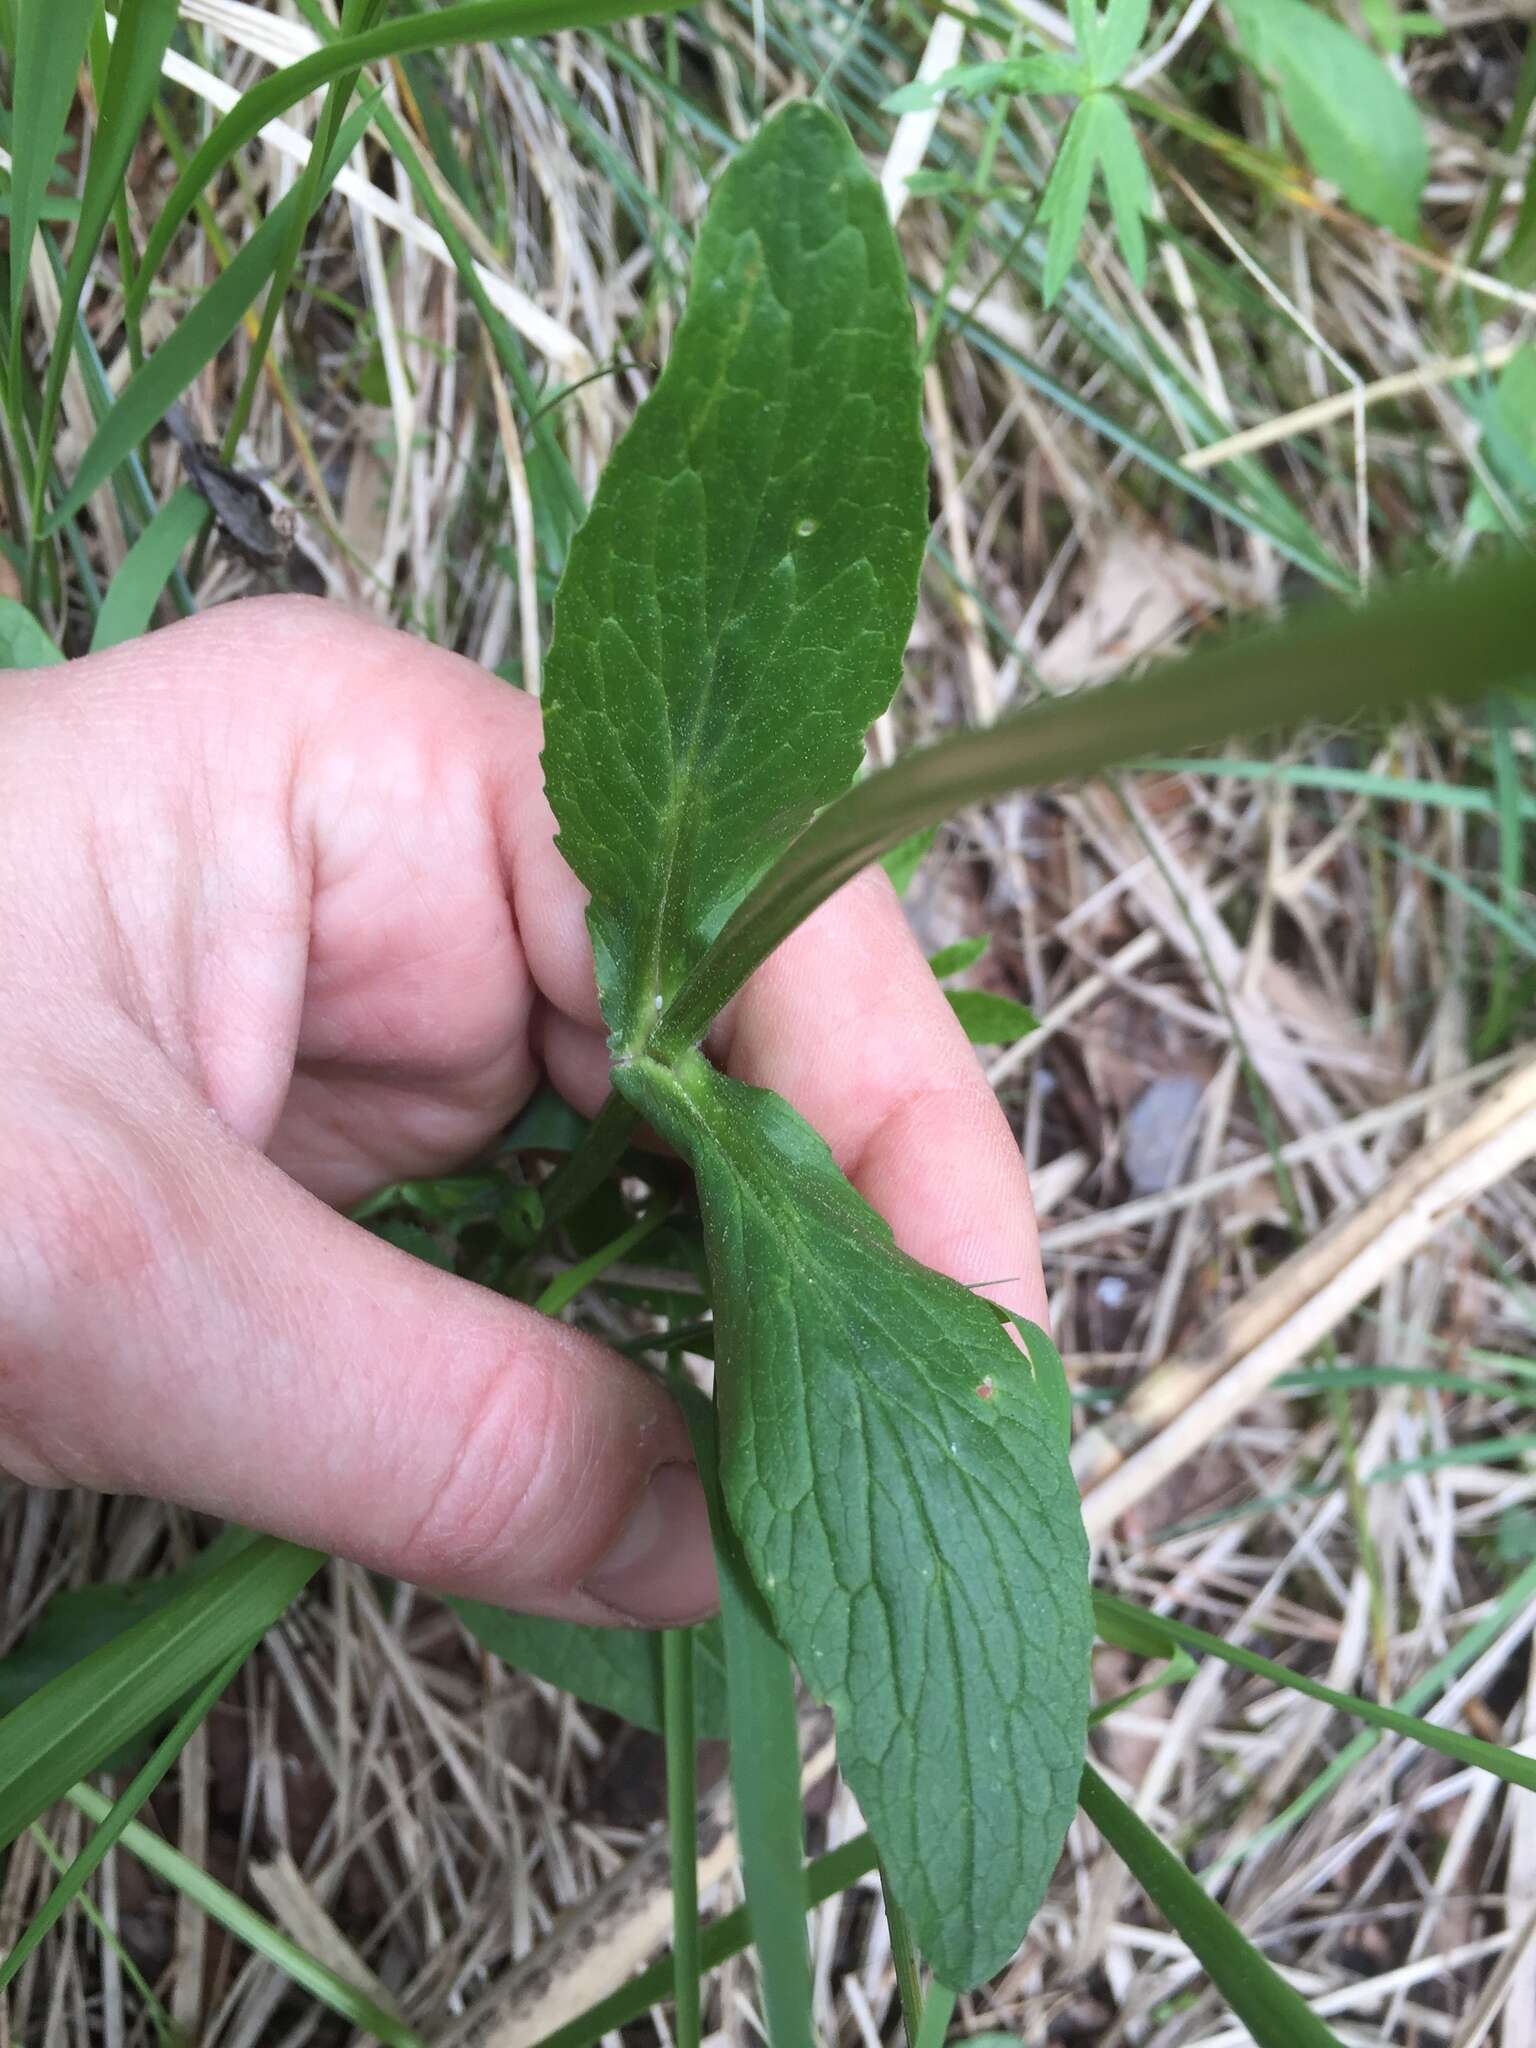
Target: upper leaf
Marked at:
734, 610
896, 1469
1358, 125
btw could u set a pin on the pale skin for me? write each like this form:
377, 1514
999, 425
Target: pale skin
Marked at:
284, 922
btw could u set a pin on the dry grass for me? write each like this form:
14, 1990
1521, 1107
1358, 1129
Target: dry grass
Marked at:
1285, 962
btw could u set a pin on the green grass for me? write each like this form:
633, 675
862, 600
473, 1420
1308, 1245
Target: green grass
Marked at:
1072, 424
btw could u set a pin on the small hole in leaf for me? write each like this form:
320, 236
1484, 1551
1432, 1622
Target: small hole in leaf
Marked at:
806, 527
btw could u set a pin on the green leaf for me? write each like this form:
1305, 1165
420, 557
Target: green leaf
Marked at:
1064, 205
1127, 183
733, 613
437, 28
226, 1910
196, 340
956, 958
23, 643
84, 1618
618, 1669
1457, 637
70, 1725
1275, 2015
1133, 1629
50, 48
1509, 437
990, 1019
899, 1481
1518, 263
144, 29
1359, 127
1120, 37
135, 590
765, 1763
972, 81
903, 861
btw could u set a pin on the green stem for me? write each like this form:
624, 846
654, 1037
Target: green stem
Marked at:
727, 1937
565, 1287
938, 2011
127, 1805
909, 1980
600, 1150
682, 1827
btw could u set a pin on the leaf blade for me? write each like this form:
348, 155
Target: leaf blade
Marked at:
734, 610
898, 1478
617, 1669
1275, 2015
65, 1729
1358, 126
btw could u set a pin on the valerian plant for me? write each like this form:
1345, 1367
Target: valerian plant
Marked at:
886, 1458
731, 621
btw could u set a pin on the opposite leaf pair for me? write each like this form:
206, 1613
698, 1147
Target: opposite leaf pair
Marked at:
731, 620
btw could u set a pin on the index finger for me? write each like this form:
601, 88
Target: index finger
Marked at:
847, 1022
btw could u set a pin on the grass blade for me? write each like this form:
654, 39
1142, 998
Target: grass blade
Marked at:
765, 1769
50, 48
259, 1935
1275, 2015
69, 1725
144, 30
439, 29
151, 390
147, 567
1435, 636
724, 1938
682, 1829
1508, 1764
124, 1809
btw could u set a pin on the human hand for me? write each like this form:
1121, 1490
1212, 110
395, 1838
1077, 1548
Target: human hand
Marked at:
285, 922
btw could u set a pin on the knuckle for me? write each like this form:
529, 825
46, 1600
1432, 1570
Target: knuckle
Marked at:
496, 1498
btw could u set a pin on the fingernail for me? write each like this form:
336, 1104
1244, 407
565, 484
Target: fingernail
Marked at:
661, 1572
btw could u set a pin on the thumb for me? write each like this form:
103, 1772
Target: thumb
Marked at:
178, 1318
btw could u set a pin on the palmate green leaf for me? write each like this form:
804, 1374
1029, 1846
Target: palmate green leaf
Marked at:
618, 1669
1126, 182
156, 384
1274, 2014
66, 1728
1099, 137
1110, 40
971, 81
733, 613
1359, 127
897, 1475
1064, 205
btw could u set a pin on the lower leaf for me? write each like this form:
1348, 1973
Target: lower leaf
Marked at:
896, 1470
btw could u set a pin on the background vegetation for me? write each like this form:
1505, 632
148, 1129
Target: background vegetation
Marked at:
1278, 350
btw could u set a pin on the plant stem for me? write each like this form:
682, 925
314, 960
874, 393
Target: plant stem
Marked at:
909, 1981
682, 1828
565, 1287
591, 1163
938, 2010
